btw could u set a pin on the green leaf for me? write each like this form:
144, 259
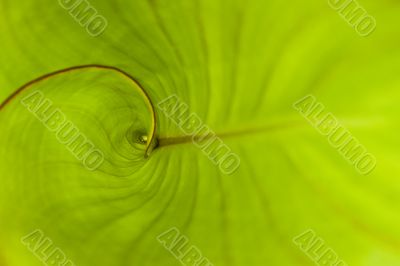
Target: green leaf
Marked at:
239, 66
